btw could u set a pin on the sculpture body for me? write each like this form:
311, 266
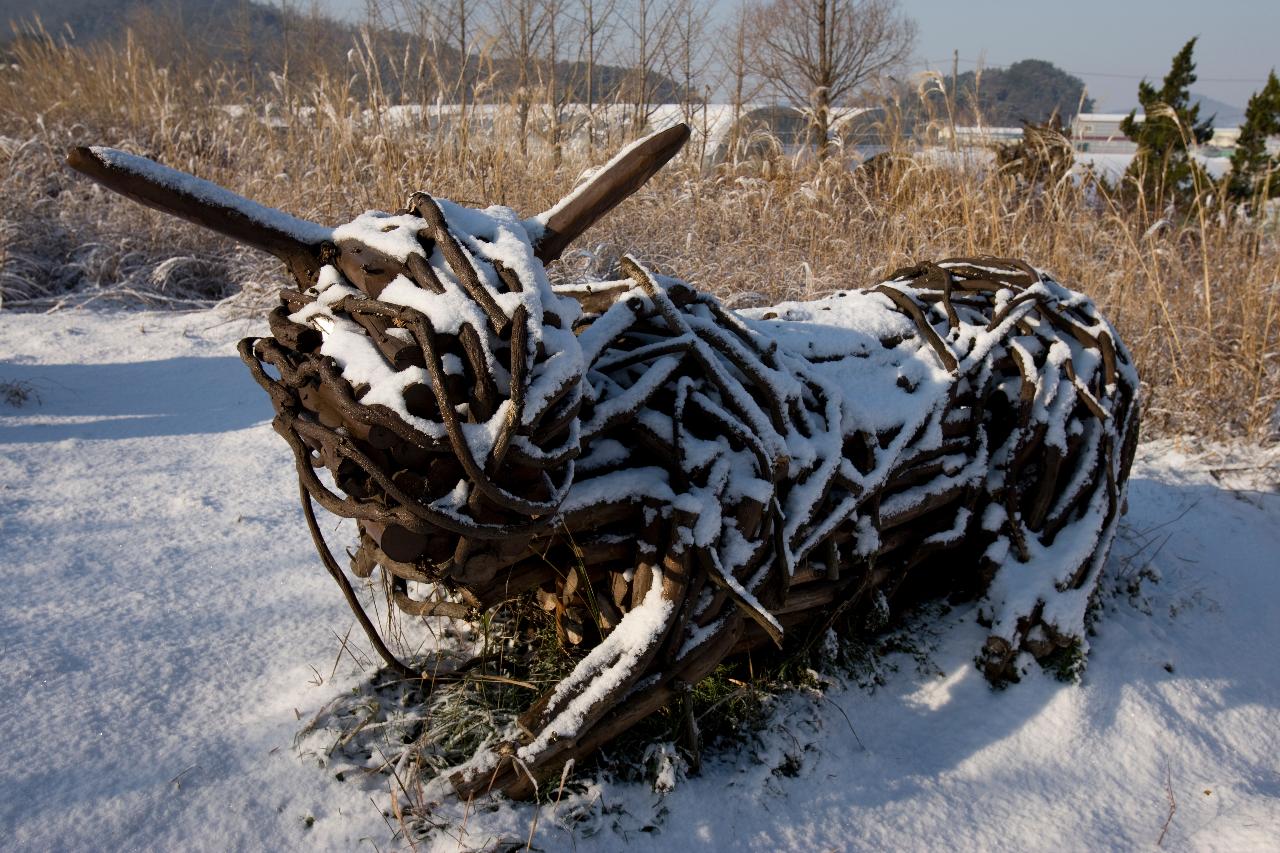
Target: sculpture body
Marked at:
676, 482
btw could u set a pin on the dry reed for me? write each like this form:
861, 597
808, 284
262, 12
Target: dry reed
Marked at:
1195, 294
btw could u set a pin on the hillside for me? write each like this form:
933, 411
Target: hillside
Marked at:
257, 41
1031, 90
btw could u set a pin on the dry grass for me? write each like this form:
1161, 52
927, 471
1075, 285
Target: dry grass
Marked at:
18, 392
1195, 295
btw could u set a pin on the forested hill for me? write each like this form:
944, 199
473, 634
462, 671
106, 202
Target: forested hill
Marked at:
231, 31
259, 39
1027, 91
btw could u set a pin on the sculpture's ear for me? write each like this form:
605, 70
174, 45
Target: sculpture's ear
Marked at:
297, 242
614, 181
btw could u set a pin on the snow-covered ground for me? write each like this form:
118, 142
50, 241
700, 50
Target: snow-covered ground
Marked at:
166, 630
1113, 166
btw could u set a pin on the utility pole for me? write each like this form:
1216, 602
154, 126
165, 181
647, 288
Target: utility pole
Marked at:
955, 73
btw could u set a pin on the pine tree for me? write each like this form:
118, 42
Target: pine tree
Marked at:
1162, 170
1255, 175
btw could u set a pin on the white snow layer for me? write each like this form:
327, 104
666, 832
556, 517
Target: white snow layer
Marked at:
300, 229
605, 668
167, 630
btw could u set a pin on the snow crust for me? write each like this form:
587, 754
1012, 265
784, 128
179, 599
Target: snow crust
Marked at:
164, 611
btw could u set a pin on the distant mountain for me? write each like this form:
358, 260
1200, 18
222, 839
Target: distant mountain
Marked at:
95, 20
1224, 114
247, 34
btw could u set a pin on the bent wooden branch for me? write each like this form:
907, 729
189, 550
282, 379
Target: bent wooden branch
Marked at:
296, 242
604, 190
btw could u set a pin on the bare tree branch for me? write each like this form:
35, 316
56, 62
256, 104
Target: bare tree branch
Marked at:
815, 53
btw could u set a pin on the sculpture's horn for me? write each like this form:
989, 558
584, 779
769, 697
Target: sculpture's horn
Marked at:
295, 241
616, 180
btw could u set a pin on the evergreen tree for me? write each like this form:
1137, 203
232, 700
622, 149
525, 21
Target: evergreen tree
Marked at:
1255, 175
1162, 170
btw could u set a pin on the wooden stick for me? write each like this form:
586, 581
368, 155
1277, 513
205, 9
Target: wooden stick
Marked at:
295, 241
616, 180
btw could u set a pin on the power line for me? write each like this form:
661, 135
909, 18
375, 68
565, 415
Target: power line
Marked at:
999, 67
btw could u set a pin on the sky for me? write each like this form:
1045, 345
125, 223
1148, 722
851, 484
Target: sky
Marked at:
1110, 44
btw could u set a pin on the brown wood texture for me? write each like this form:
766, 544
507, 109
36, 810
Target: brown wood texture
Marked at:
901, 512
302, 259
608, 188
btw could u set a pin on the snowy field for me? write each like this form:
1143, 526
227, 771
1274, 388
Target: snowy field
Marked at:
167, 630
1113, 166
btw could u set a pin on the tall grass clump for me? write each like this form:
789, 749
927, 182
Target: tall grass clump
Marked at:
1193, 291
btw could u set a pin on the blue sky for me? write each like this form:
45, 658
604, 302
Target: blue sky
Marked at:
1110, 44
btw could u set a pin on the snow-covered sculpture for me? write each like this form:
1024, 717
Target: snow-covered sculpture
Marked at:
675, 482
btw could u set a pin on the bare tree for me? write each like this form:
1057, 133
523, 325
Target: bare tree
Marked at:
240, 28
650, 25
815, 53
457, 17
688, 60
741, 81
443, 43
520, 30
558, 77
596, 27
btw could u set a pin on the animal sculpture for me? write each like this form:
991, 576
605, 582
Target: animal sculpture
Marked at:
675, 483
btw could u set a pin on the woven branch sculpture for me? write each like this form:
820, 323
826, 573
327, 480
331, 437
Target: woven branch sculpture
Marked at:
678, 483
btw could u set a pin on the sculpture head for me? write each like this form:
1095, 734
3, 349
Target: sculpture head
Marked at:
426, 361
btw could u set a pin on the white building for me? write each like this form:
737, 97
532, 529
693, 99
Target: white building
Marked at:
1099, 133
980, 136
1224, 137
